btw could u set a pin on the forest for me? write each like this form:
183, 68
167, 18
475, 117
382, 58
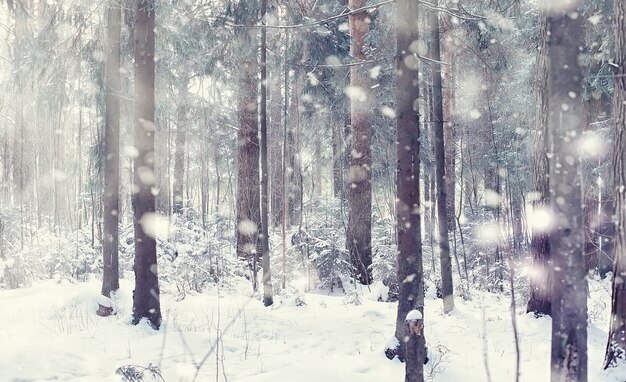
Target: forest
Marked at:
300, 190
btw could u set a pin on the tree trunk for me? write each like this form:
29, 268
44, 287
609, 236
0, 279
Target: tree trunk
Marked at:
110, 277
616, 346
265, 243
540, 300
569, 286
359, 235
146, 294
411, 343
447, 289
179, 155
248, 194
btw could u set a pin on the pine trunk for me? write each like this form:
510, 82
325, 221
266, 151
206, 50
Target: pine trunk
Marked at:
359, 235
616, 346
566, 119
110, 277
146, 302
265, 243
248, 190
447, 289
540, 300
411, 344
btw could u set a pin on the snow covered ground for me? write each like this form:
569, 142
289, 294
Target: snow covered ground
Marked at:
49, 332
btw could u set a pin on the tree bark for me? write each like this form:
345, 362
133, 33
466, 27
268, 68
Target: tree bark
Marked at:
179, 155
411, 344
248, 190
566, 119
540, 300
110, 277
359, 235
616, 346
264, 236
447, 289
146, 302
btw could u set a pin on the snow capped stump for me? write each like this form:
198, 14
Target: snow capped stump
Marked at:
414, 320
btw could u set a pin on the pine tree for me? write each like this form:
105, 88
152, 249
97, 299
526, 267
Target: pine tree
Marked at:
110, 277
616, 346
410, 345
146, 302
566, 118
359, 235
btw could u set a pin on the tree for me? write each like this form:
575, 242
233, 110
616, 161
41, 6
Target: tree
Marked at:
248, 185
616, 346
179, 155
110, 276
146, 302
540, 300
359, 235
265, 240
410, 343
566, 118
447, 289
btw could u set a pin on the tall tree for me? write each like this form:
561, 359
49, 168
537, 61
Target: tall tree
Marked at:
265, 240
616, 346
540, 300
566, 118
179, 154
110, 277
248, 185
447, 289
410, 343
146, 302
359, 235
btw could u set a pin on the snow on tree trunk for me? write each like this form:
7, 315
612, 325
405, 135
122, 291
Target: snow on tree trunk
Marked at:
146, 295
566, 119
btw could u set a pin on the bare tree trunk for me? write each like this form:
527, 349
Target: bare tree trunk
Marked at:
359, 237
616, 346
248, 195
179, 155
411, 343
569, 286
540, 300
447, 289
264, 236
110, 277
146, 302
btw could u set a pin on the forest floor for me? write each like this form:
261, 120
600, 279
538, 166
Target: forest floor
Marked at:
49, 332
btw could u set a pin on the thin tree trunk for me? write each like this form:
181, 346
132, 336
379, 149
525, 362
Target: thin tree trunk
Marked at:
447, 289
265, 244
179, 154
110, 278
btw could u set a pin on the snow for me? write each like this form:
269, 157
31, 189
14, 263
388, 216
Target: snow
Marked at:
50, 332
414, 315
